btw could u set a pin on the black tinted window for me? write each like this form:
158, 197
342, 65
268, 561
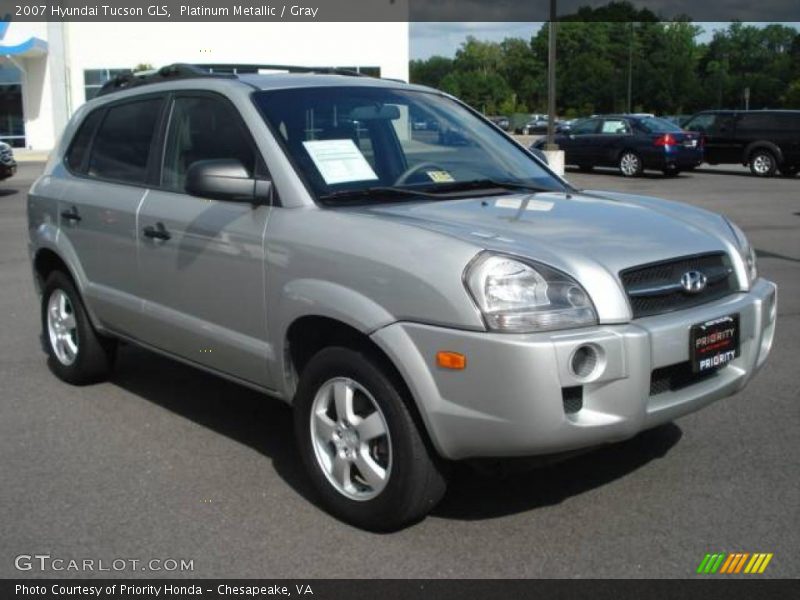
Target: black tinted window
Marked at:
80, 143
121, 148
203, 128
583, 127
769, 121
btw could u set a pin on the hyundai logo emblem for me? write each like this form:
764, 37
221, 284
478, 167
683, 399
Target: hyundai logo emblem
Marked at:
694, 282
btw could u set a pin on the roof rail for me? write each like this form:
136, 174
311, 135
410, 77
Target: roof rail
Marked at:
216, 70
241, 69
167, 73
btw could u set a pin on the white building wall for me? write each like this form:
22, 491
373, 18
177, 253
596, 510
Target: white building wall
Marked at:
125, 45
54, 83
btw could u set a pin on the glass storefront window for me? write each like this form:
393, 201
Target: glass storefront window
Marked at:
93, 79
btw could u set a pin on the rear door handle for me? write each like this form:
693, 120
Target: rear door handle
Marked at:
71, 214
159, 232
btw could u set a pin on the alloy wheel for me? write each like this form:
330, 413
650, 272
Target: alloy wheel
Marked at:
62, 328
351, 439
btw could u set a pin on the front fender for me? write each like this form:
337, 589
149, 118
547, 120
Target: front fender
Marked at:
319, 298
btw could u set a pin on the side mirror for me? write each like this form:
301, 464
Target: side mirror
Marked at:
225, 179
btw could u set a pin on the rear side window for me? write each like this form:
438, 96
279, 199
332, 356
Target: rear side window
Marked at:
584, 127
121, 148
76, 155
759, 121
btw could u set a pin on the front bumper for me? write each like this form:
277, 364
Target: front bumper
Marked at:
509, 400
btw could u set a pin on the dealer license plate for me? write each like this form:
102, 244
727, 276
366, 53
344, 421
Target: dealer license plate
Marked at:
714, 344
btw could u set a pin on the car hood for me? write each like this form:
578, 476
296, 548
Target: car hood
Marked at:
588, 234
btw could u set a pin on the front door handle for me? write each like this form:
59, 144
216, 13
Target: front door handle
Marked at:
159, 232
71, 215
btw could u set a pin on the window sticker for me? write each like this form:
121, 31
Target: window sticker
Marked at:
440, 176
339, 161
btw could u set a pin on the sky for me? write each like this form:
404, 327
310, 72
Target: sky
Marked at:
429, 39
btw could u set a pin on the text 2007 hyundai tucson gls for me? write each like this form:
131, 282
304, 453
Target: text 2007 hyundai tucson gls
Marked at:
418, 295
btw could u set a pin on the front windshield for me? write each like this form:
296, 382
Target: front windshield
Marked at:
351, 139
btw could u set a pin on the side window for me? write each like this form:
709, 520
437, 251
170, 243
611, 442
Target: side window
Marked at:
614, 126
585, 127
121, 147
80, 143
203, 128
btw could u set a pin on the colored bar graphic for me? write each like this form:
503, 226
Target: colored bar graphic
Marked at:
765, 563
734, 562
703, 563
717, 563
741, 562
727, 564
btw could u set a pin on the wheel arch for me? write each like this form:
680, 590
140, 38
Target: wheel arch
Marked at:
762, 145
310, 333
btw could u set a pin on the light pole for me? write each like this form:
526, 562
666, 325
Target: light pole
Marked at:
551, 79
630, 69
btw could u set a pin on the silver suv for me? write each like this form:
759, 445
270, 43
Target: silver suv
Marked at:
419, 296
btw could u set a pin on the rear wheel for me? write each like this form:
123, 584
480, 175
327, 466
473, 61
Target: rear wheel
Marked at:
630, 164
77, 353
360, 445
762, 163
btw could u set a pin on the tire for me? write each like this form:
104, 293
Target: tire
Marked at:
789, 171
630, 164
331, 445
762, 163
76, 353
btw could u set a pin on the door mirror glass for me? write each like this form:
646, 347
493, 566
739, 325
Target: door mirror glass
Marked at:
225, 179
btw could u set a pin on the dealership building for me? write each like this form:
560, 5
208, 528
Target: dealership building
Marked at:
47, 70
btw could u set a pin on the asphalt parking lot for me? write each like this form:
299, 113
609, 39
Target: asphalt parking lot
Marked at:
167, 462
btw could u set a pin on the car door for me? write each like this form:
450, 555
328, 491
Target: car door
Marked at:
576, 143
110, 159
611, 139
201, 261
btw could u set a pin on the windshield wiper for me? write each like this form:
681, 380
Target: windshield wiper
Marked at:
438, 190
396, 192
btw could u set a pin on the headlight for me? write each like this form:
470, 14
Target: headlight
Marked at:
518, 297
746, 250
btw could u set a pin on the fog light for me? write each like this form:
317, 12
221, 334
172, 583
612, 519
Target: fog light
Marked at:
584, 361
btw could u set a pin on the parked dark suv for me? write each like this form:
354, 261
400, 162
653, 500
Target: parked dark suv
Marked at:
631, 143
766, 140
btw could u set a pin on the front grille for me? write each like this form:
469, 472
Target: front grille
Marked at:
655, 288
675, 377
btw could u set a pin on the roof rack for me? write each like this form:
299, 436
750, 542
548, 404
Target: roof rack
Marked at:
167, 73
215, 70
243, 69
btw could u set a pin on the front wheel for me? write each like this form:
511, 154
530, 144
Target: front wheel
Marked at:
360, 445
762, 163
630, 165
